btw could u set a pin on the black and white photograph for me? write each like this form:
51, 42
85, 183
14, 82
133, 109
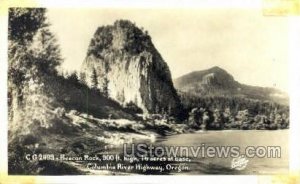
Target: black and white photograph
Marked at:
141, 91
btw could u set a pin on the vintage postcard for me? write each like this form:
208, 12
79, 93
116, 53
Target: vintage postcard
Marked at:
147, 91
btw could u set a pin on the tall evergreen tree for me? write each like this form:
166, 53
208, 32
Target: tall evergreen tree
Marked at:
46, 51
82, 78
73, 78
33, 56
106, 81
94, 79
105, 87
23, 24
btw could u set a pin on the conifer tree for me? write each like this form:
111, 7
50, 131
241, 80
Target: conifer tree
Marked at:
94, 79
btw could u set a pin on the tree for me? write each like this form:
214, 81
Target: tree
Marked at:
105, 81
46, 51
73, 78
33, 51
22, 26
82, 78
33, 56
105, 87
24, 23
24, 59
94, 79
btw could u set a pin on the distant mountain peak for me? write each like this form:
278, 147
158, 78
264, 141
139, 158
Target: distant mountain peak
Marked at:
213, 77
216, 81
216, 68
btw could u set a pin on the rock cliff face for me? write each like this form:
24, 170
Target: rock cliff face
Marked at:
128, 68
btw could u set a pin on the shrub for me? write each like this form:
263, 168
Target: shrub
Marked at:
133, 108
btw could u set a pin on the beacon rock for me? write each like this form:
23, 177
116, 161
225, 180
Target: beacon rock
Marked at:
123, 63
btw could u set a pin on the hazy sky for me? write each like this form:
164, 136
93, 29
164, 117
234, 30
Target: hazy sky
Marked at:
250, 46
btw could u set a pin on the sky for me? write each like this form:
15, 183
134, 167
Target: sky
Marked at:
251, 47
